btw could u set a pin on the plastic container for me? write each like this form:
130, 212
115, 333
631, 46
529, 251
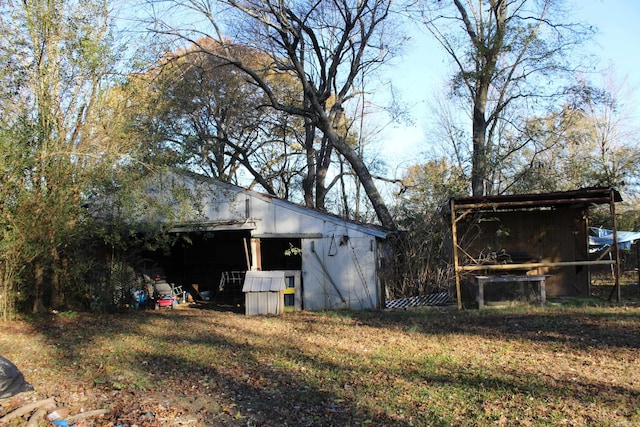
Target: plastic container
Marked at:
165, 302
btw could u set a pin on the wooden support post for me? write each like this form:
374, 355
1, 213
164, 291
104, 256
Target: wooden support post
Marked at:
638, 263
454, 239
616, 249
256, 255
587, 226
532, 265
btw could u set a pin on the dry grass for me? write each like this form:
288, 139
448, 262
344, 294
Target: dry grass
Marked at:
531, 366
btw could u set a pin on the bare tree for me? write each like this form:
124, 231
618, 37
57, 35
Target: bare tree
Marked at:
589, 141
326, 45
506, 53
216, 122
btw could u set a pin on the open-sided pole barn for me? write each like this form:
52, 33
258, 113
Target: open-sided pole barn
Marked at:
543, 234
329, 262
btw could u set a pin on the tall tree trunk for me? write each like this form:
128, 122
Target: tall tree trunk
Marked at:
38, 288
57, 294
487, 47
362, 172
479, 135
343, 194
323, 161
7, 291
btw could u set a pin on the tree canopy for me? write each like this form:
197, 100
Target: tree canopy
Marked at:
326, 46
57, 55
215, 122
511, 57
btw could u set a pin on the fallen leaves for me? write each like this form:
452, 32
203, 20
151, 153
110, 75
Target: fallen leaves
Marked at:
207, 368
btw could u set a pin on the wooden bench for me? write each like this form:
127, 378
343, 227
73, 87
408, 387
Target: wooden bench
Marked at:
512, 278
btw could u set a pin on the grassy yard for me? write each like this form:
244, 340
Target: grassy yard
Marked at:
523, 366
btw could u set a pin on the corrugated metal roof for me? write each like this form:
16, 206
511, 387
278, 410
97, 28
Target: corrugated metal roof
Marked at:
581, 197
371, 229
264, 281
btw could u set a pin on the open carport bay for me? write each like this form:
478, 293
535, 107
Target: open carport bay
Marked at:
215, 262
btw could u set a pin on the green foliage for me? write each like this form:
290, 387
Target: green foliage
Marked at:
62, 144
293, 251
58, 60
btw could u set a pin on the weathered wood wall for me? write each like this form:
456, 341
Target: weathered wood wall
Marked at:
525, 236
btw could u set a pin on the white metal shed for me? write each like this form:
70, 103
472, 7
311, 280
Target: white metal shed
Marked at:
341, 261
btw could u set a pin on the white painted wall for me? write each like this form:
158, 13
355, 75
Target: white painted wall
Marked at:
345, 276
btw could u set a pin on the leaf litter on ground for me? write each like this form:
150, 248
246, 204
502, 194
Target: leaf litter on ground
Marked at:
517, 366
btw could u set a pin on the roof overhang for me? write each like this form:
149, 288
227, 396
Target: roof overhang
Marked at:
197, 226
575, 198
264, 281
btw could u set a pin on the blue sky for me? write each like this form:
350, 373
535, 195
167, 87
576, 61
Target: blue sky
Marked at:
618, 22
418, 75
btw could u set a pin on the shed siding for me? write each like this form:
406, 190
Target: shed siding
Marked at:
264, 303
264, 292
540, 237
346, 278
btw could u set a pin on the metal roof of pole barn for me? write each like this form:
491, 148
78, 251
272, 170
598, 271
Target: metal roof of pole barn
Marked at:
370, 229
581, 197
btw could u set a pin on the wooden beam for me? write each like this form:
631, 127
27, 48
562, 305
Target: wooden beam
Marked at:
534, 203
605, 253
638, 263
465, 213
532, 265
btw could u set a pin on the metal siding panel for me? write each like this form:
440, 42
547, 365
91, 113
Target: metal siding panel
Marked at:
263, 281
321, 272
313, 294
274, 302
251, 306
263, 302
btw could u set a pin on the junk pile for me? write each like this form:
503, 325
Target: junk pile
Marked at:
12, 382
164, 294
47, 409
156, 293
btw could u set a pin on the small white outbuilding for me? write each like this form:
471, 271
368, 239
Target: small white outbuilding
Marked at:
264, 292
